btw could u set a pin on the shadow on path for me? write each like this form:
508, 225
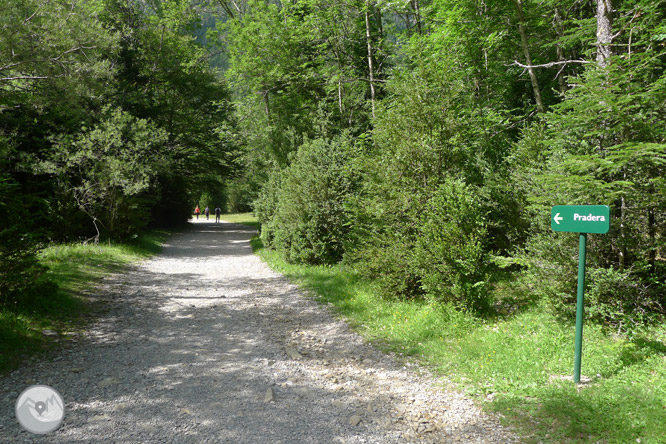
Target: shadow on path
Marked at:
190, 344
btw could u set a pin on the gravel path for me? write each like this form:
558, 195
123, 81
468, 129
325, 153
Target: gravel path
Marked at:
204, 343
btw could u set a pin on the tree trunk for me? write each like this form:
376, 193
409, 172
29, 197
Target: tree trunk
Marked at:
417, 15
528, 59
557, 24
370, 67
604, 32
652, 236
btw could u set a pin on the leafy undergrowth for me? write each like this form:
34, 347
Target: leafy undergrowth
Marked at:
52, 311
519, 366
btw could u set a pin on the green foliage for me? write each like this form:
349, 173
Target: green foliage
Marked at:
450, 252
240, 195
306, 215
294, 84
66, 69
108, 168
620, 299
266, 206
110, 112
602, 146
426, 140
21, 274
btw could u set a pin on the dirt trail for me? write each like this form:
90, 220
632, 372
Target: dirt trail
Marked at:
204, 343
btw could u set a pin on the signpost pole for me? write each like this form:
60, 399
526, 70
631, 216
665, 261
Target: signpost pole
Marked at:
581, 219
582, 251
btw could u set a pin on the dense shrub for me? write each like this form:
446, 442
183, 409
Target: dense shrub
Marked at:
302, 208
619, 299
450, 253
266, 205
20, 271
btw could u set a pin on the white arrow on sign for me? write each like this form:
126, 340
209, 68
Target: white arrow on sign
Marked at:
557, 218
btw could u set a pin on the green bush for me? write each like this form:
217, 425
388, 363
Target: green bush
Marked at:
20, 271
450, 254
302, 208
21, 274
618, 299
266, 205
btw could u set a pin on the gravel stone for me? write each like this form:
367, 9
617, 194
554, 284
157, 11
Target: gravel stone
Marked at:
187, 343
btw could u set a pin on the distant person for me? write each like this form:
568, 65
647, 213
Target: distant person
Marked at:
218, 211
207, 212
197, 211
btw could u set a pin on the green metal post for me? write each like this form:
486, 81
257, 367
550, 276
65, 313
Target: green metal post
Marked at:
579, 306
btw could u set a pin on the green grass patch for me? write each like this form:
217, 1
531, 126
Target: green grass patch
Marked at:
518, 366
242, 218
58, 304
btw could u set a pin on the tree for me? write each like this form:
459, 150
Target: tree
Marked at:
603, 145
107, 168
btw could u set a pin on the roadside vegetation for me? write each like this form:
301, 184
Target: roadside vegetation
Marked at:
517, 364
432, 175
113, 123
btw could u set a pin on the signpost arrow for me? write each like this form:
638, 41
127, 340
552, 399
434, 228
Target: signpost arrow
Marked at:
581, 219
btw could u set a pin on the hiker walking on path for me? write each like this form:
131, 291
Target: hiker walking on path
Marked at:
207, 212
218, 211
197, 211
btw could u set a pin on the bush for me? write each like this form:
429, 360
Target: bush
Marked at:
266, 205
616, 298
302, 208
20, 271
450, 254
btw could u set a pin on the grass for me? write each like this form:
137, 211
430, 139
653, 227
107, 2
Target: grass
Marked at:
242, 218
519, 367
74, 268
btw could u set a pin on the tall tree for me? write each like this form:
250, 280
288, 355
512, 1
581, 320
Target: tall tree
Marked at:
604, 31
528, 58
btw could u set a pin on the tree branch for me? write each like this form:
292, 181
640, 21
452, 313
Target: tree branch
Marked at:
2, 79
11, 65
551, 64
77, 48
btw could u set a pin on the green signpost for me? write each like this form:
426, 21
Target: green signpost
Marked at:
581, 219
